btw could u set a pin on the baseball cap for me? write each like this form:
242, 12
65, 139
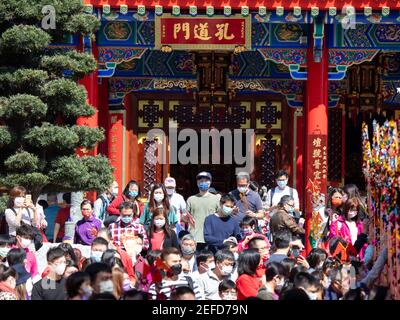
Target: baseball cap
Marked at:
203, 174
170, 182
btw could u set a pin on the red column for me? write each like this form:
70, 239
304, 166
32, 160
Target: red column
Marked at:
316, 114
103, 113
115, 142
91, 85
299, 178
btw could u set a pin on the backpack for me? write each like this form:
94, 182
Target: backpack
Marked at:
103, 213
273, 192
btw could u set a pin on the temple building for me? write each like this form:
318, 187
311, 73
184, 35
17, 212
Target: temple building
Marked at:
302, 74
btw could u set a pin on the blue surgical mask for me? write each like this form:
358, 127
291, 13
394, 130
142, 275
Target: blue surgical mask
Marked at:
126, 219
282, 184
204, 186
227, 210
290, 210
133, 194
96, 256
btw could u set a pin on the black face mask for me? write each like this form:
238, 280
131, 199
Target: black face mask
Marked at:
176, 269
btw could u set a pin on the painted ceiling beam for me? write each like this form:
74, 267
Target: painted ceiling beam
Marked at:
253, 4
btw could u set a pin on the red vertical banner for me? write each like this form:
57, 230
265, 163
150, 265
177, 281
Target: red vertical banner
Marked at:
115, 143
316, 146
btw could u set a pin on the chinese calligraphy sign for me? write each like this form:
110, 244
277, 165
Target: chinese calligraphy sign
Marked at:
206, 33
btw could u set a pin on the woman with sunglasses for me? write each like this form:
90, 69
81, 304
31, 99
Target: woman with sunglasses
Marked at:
283, 218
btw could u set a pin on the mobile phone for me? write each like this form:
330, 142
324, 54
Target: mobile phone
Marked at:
28, 198
296, 251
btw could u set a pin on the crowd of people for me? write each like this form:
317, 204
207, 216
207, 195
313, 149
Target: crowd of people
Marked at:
245, 244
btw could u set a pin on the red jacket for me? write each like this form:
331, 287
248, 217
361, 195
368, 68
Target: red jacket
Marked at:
247, 286
113, 208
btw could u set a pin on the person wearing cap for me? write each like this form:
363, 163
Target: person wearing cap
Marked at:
247, 201
175, 199
221, 225
201, 205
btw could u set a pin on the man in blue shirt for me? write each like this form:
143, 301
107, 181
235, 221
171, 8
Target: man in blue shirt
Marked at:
221, 225
51, 212
247, 201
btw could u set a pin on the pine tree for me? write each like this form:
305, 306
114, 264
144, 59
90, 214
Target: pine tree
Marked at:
41, 100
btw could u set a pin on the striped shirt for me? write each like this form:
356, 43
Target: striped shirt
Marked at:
119, 229
166, 286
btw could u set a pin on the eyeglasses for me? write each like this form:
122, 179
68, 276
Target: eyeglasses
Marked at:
290, 205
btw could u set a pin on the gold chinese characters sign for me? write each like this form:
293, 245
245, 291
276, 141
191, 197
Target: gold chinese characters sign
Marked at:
202, 33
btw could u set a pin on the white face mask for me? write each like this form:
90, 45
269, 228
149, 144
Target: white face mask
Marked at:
236, 255
19, 202
114, 191
312, 295
242, 189
158, 197
211, 266
106, 286
59, 269
226, 270
138, 249
159, 223
170, 191
25, 243
352, 214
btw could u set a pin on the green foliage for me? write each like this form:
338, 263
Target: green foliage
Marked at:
52, 136
23, 40
3, 203
83, 24
23, 81
22, 162
31, 181
77, 62
85, 173
5, 136
88, 137
39, 106
23, 107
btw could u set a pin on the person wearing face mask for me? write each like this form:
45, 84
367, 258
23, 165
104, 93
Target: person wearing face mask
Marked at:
200, 206
158, 204
247, 201
104, 200
275, 279
209, 281
98, 247
19, 211
205, 261
101, 279
7, 283
227, 290
275, 194
172, 277
127, 226
188, 250
283, 218
160, 234
5, 246
308, 283
175, 199
248, 230
78, 286
131, 193
347, 226
86, 229
24, 241
52, 287
221, 225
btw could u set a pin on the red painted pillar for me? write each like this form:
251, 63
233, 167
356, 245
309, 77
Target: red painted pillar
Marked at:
116, 140
315, 155
91, 85
103, 113
299, 147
